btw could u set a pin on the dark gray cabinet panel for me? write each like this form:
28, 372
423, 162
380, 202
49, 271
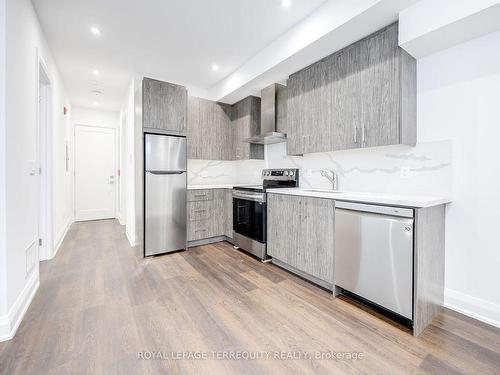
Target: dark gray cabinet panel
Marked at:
245, 124
361, 96
305, 240
164, 106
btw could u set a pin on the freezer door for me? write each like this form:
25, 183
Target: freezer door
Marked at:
165, 153
165, 212
374, 258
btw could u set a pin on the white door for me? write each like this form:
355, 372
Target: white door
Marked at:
95, 166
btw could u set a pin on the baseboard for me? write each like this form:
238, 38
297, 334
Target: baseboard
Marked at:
10, 323
476, 308
60, 237
130, 238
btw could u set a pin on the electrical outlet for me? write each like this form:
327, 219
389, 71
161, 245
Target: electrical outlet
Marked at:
405, 173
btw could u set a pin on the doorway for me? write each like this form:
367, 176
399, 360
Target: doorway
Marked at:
95, 173
44, 131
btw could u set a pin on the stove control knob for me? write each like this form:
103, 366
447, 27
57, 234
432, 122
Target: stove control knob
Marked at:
291, 173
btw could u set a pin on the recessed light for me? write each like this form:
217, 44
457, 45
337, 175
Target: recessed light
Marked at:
95, 30
96, 103
215, 68
95, 72
286, 3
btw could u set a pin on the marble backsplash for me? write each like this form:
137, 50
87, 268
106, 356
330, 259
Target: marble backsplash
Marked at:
220, 172
375, 169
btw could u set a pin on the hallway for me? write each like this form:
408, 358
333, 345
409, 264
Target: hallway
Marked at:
101, 308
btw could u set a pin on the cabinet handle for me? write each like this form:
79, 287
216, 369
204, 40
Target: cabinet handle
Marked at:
197, 211
363, 135
356, 134
200, 195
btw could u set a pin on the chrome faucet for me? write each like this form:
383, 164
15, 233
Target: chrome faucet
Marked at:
330, 176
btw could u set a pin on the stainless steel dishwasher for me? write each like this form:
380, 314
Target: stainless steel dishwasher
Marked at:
374, 254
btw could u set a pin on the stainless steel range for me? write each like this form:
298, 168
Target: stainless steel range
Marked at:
250, 209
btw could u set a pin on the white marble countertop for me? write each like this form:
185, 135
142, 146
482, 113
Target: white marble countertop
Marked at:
220, 186
402, 200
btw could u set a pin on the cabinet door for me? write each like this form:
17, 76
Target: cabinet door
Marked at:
315, 254
164, 106
245, 124
310, 109
380, 89
284, 227
222, 132
228, 212
193, 128
346, 93
295, 115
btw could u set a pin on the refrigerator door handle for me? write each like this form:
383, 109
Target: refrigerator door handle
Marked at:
165, 172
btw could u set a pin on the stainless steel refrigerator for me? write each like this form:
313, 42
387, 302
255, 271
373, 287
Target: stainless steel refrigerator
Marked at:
165, 194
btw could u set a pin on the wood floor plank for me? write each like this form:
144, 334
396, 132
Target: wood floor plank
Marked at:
101, 305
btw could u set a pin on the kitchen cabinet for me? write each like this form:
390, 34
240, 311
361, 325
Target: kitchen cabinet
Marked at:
209, 130
361, 96
304, 242
164, 107
245, 124
217, 131
210, 214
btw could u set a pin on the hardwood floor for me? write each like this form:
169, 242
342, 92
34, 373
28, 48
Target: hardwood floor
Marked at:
102, 308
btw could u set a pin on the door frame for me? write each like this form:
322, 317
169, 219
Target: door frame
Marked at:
115, 163
44, 156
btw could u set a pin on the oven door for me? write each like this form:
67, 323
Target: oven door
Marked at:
249, 217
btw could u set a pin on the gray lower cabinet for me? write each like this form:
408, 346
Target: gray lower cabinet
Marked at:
300, 235
209, 214
361, 96
164, 107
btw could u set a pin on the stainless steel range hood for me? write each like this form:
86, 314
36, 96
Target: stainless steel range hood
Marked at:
269, 116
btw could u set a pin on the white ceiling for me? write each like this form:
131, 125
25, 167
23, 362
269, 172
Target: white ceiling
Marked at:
173, 40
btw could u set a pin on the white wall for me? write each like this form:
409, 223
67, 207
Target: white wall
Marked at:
127, 117
24, 38
458, 98
3, 255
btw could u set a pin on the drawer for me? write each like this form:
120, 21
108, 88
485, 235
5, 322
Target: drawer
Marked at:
200, 229
200, 210
200, 195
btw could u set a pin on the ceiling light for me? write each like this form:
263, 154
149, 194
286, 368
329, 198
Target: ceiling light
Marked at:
95, 30
286, 3
95, 72
96, 103
215, 68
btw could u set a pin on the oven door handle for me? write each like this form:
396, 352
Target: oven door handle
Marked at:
249, 197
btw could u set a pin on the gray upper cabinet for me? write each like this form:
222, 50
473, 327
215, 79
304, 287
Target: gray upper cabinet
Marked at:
361, 96
164, 107
209, 130
245, 124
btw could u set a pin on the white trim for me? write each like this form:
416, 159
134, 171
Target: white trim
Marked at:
10, 323
474, 307
130, 238
45, 224
61, 236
